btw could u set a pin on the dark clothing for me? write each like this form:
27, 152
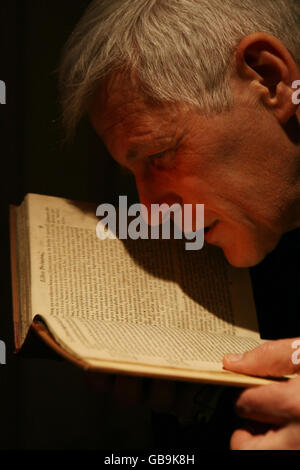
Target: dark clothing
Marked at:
276, 286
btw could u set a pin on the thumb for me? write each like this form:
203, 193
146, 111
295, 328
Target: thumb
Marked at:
273, 358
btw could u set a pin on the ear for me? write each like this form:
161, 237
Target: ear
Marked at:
267, 63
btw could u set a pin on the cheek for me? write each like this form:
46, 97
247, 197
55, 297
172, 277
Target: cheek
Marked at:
162, 179
201, 175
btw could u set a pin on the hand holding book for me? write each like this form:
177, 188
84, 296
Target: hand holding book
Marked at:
277, 404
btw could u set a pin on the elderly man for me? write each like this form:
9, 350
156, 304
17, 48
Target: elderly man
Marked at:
197, 99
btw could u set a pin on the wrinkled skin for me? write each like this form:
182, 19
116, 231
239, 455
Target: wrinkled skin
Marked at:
240, 164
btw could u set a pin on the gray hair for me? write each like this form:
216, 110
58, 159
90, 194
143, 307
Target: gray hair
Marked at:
180, 50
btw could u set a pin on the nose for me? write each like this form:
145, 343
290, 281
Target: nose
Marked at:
150, 193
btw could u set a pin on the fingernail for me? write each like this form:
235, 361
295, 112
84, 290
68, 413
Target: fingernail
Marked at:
233, 357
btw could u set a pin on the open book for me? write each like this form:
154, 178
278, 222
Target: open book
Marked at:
141, 307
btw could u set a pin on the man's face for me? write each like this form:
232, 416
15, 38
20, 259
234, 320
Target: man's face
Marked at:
232, 162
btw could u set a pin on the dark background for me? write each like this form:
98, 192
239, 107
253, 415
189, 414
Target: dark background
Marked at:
46, 404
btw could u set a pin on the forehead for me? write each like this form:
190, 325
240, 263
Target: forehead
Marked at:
119, 107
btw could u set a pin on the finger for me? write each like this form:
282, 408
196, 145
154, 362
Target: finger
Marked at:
286, 438
128, 391
273, 358
276, 403
99, 382
162, 395
240, 439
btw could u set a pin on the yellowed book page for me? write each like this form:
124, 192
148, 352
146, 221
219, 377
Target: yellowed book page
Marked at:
220, 377
144, 301
136, 343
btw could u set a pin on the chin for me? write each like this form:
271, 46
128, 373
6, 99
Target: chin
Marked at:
240, 257
239, 262
243, 248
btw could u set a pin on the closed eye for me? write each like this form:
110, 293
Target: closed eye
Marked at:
163, 159
157, 155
